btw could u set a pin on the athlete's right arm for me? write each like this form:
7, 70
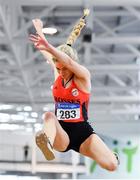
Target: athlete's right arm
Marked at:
36, 40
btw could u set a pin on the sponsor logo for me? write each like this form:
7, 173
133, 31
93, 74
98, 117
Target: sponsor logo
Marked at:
75, 92
59, 99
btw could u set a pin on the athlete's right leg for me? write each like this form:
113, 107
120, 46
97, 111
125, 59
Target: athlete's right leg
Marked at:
52, 136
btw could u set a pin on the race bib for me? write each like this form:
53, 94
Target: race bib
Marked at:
66, 111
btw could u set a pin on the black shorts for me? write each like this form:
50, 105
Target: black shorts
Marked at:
78, 132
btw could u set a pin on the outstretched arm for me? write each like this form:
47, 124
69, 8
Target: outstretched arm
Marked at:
37, 40
43, 45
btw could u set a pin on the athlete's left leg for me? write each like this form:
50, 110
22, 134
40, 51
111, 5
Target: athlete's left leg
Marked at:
97, 150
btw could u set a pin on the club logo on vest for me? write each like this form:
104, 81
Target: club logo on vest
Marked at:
75, 92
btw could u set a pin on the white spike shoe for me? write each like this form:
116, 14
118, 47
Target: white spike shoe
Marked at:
44, 145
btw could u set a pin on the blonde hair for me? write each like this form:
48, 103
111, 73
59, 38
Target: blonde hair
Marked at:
71, 52
77, 28
66, 48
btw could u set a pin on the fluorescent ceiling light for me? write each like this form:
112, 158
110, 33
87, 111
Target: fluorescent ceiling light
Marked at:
30, 120
25, 114
14, 177
17, 117
10, 127
27, 108
5, 106
34, 114
4, 117
49, 30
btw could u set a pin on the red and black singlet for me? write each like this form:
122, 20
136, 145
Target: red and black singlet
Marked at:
71, 104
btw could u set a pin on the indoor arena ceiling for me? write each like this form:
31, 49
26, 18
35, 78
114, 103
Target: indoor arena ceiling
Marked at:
112, 55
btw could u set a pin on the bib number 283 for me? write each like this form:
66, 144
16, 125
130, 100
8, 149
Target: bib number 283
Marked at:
67, 112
